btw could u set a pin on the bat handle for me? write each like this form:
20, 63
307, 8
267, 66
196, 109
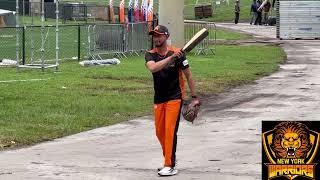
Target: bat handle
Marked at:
176, 58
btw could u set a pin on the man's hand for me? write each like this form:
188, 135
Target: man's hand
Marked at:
177, 55
195, 102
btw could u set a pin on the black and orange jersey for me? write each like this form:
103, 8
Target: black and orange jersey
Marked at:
168, 82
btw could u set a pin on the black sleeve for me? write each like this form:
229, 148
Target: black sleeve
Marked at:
148, 57
183, 62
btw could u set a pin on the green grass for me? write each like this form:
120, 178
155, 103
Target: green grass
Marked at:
27, 20
223, 12
78, 99
223, 34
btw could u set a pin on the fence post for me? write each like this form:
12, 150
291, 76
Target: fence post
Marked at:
109, 14
64, 13
79, 43
23, 45
85, 13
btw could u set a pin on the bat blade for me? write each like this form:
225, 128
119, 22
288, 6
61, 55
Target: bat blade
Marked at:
195, 40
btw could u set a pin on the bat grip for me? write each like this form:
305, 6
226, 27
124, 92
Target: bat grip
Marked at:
183, 54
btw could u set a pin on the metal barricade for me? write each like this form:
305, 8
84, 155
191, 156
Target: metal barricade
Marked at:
118, 40
139, 40
105, 39
209, 43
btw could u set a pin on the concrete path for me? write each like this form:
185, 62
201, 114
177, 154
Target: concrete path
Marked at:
224, 144
257, 31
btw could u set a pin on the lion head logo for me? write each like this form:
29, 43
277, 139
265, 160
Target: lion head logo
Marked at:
291, 140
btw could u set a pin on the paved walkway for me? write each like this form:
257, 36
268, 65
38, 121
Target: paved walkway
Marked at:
257, 31
224, 144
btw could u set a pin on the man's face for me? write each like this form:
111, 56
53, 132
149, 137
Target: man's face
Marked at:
159, 39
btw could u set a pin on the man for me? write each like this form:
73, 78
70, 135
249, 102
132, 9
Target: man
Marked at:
259, 14
253, 11
167, 64
237, 12
265, 6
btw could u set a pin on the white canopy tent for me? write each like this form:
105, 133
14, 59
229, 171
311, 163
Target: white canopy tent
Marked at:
7, 18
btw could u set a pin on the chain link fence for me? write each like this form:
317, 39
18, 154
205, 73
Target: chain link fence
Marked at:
91, 41
71, 43
8, 42
86, 41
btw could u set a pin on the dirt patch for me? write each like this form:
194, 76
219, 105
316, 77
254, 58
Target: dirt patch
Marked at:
121, 89
142, 80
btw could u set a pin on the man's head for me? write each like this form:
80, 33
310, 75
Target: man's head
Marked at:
160, 35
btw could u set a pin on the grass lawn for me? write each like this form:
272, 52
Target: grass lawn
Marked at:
77, 99
223, 12
223, 34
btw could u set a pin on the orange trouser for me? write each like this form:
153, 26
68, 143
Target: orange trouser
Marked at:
167, 117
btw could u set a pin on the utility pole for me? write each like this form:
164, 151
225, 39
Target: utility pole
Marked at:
171, 16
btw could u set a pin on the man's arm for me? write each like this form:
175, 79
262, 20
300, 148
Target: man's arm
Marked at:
187, 73
157, 66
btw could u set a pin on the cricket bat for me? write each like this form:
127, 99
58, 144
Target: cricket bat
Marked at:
195, 40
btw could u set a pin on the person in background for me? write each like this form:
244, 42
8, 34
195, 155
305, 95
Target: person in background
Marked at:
265, 6
253, 11
237, 11
259, 14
